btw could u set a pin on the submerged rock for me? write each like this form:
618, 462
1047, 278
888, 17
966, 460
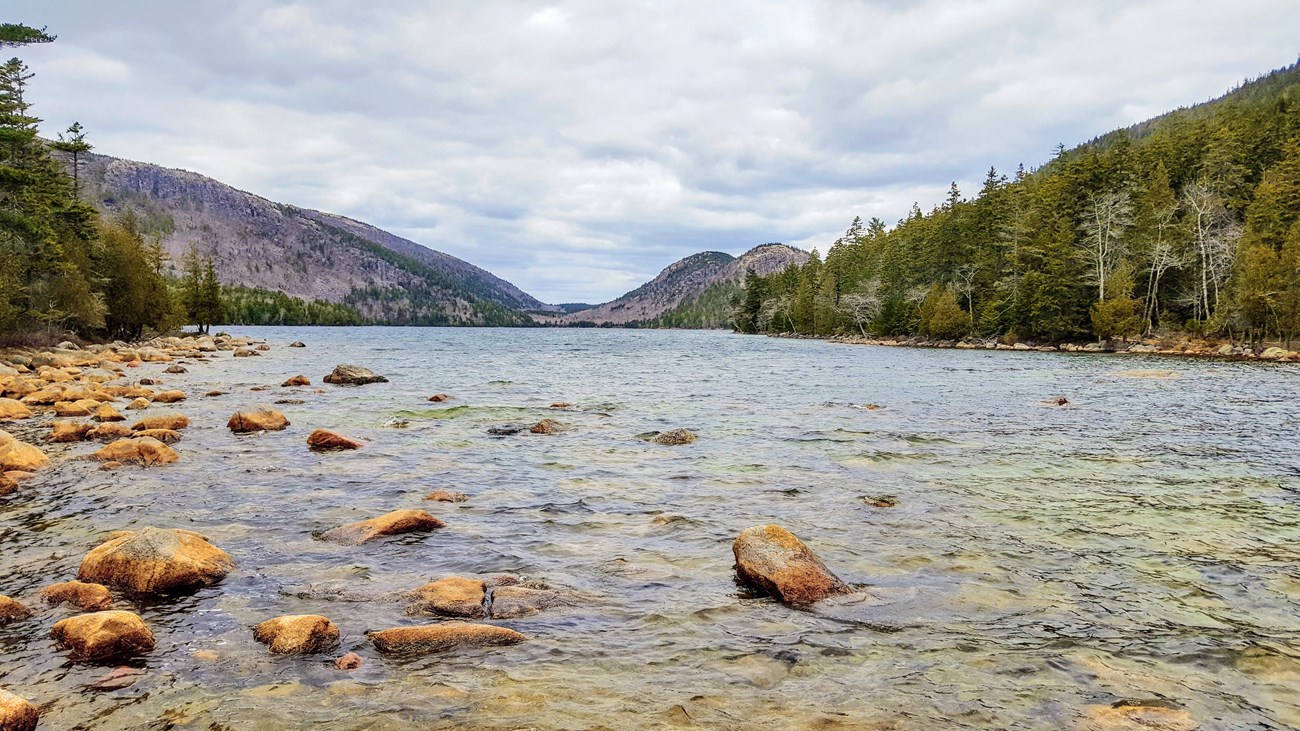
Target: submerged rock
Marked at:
326, 440
12, 610
674, 437
350, 661
16, 713
545, 426
82, 595
441, 637
453, 596
447, 496
299, 380
103, 636
438, 398
20, 456
166, 436
262, 418
297, 634
156, 561
509, 602
353, 375
388, 524
1132, 715
140, 450
771, 559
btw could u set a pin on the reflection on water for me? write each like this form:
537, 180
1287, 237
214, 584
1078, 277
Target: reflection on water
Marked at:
1041, 561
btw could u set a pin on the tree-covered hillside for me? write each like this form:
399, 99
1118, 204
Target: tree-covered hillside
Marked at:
1187, 222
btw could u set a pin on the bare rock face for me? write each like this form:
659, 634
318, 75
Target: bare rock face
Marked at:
453, 596
12, 610
771, 559
16, 713
162, 421
156, 561
103, 636
20, 456
83, 596
299, 380
509, 602
262, 418
441, 637
145, 451
353, 375
388, 524
297, 634
325, 440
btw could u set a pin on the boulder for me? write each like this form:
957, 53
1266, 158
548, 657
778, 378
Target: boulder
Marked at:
137, 392
138, 403
109, 432
84, 407
350, 661
156, 561
772, 560
12, 610
105, 412
63, 432
140, 450
16, 713
509, 602
297, 381
447, 496
388, 524
162, 421
674, 437
82, 595
43, 397
438, 398
297, 634
20, 456
443, 636
545, 426
13, 409
103, 636
326, 440
166, 436
453, 596
152, 355
169, 397
261, 418
353, 375
246, 353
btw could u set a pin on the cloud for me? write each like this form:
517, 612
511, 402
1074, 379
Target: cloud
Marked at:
576, 148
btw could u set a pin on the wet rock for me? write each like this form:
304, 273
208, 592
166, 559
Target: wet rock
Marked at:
103, 636
771, 559
325, 440
453, 596
138, 403
441, 637
263, 347
262, 418
350, 661
145, 451
176, 369
156, 561
297, 634
759, 670
545, 426
353, 375
117, 679
447, 496
260, 388
150, 382
297, 344
298, 380
214, 393
110, 465
16, 713
109, 432
509, 602
82, 595
1059, 401
62, 432
388, 524
561, 405
881, 501
1139, 715
162, 421
106, 412
12, 610
438, 398
12, 409
20, 456
674, 437
246, 353
169, 397
507, 430
43, 397
84, 407
166, 436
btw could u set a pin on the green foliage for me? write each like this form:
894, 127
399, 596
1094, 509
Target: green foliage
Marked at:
200, 291
136, 294
16, 34
1117, 316
253, 306
941, 317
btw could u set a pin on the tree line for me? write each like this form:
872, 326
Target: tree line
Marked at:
1188, 223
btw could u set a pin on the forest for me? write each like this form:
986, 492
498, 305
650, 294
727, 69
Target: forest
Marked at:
1184, 224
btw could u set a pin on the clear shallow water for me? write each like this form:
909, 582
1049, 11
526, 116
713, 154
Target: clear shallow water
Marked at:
1142, 542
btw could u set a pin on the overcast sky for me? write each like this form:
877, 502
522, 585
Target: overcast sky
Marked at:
576, 148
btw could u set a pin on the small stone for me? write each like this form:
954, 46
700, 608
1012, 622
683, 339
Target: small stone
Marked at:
674, 437
326, 440
350, 661
298, 380
138, 403
443, 636
388, 524
545, 426
561, 405
103, 636
438, 398
297, 634
447, 496
176, 369
169, 397
82, 595
214, 393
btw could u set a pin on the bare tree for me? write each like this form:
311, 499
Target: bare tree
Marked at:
1215, 234
1106, 218
862, 305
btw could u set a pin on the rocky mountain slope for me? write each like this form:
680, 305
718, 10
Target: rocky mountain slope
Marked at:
685, 282
304, 253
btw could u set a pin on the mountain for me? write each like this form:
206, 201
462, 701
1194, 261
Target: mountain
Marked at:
710, 276
304, 253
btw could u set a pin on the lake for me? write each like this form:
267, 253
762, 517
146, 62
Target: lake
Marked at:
1042, 562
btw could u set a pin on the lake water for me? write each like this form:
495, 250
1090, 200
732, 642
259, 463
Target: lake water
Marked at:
1041, 562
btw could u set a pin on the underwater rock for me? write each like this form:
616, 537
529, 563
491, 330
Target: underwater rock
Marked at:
674, 437
82, 595
447, 496
771, 559
453, 596
388, 524
349, 661
354, 376
156, 561
444, 636
103, 636
561, 405
507, 430
262, 418
16, 713
326, 440
1132, 715
509, 602
297, 634
880, 501
545, 426
140, 450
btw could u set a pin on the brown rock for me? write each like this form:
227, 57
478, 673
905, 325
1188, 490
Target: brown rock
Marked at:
137, 392
140, 450
16, 714
443, 636
509, 602
452, 597
350, 661
262, 418
156, 561
138, 403
108, 432
105, 412
214, 393
299, 380
84, 407
12, 610
103, 636
245, 353
447, 496
176, 369
326, 440
118, 678
561, 405
353, 375
674, 437
298, 344
772, 560
110, 465
263, 347
297, 634
162, 421
62, 432
260, 388
169, 397
545, 426
388, 524
1138, 715
82, 595
438, 398
20, 456
166, 436
11, 409
43, 397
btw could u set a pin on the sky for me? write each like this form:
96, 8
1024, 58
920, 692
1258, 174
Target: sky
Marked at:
577, 148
